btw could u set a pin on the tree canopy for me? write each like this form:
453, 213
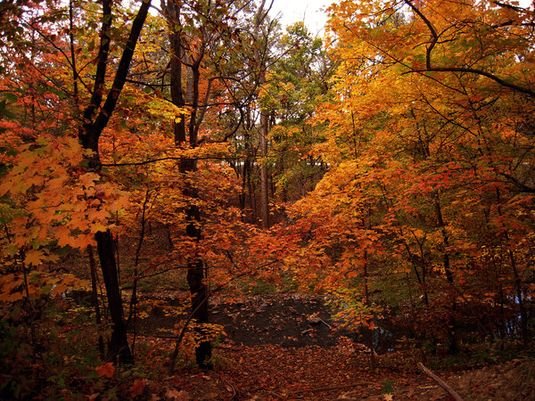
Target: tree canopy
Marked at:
198, 148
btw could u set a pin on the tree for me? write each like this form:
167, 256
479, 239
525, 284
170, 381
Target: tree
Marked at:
205, 43
296, 82
89, 186
437, 139
95, 118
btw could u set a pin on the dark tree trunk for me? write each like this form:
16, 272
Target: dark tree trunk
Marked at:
196, 271
118, 348
96, 118
94, 298
453, 344
200, 311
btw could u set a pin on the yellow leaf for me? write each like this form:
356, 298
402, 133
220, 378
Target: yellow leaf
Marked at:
34, 257
97, 227
88, 179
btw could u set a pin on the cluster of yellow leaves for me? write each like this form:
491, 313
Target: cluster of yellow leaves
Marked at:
12, 285
58, 202
161, 108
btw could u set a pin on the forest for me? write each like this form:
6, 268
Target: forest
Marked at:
199, 202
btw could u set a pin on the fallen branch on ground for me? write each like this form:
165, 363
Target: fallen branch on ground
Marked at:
329, 388
440, 382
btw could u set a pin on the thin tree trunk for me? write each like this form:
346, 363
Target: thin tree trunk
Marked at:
453, 346
94, 299
73, 57
196, 270
517, 282
131, 322
264, 180
365, 278
520, 299
260, 59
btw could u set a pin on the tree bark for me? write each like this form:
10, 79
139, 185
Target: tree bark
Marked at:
118, 347
196, 271
264, 179
89, 135
94, 298
261, 61
453, 345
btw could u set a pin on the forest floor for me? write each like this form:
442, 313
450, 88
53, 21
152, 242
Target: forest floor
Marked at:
288, 348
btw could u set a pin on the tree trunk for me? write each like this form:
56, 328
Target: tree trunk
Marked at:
453, 345
96, 118
524, 330
200, 310
118, 348
264, 180
94, 298
196, 271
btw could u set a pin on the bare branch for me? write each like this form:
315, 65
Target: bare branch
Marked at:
430, 68
440, 382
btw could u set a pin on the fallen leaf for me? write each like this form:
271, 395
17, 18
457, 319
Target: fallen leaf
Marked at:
175, 395
138, 387
106, 370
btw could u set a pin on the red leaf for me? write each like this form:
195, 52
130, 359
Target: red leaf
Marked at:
138, 387
107, 370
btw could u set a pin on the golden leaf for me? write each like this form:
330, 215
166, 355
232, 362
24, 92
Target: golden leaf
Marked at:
34, 257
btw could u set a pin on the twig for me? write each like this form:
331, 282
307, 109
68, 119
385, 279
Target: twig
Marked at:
440, 382
169, 158
230, 386
325, 323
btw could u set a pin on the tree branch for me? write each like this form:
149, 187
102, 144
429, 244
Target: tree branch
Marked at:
168, 158
430, 68
102, 62
476, 71
440, 382
122, 71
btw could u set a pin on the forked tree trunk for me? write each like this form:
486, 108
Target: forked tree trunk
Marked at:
96, 117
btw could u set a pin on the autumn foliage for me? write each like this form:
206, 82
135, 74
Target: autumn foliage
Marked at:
207, 152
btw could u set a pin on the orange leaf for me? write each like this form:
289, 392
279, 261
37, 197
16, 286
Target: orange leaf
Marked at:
33, 257
107, 370
138, 387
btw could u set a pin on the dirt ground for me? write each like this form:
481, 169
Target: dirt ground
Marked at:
289, 321
288, 348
